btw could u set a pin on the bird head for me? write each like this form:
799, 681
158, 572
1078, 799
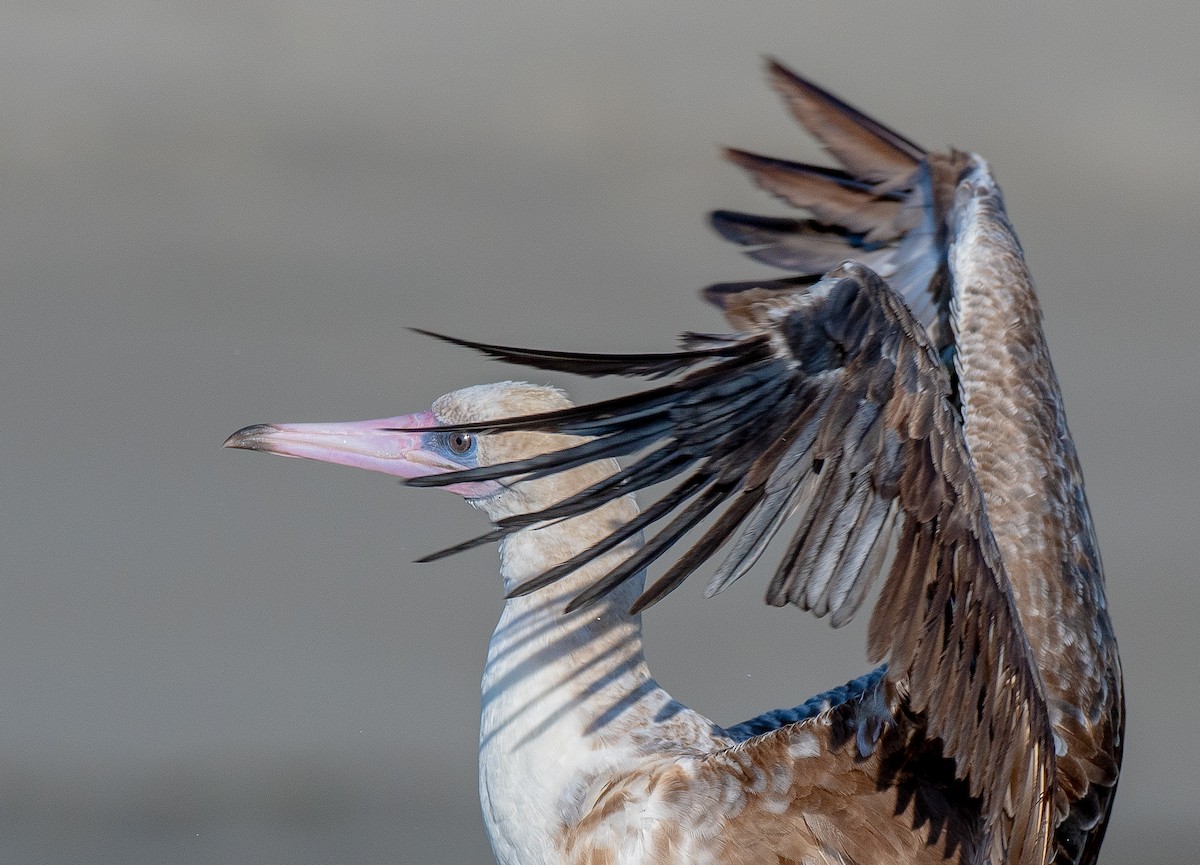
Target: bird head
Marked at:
427, 443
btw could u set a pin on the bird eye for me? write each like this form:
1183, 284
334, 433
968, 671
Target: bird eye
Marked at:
460, 442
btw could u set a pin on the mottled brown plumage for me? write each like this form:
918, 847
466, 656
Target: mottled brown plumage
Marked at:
800, 793
897, 414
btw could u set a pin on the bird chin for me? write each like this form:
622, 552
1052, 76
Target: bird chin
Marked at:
479, 494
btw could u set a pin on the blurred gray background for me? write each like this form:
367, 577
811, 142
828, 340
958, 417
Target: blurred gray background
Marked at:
215, 214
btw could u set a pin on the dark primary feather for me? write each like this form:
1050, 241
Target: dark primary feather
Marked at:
829, 196
852, 408
653, 365
793, 244
864, 145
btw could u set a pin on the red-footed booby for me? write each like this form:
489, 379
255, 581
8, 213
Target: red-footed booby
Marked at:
898, 415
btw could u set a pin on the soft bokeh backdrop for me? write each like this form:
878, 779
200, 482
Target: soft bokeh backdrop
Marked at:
221, 213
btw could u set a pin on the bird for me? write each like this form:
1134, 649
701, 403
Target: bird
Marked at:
891, 404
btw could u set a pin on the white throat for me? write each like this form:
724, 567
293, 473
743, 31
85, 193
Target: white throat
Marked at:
568, 700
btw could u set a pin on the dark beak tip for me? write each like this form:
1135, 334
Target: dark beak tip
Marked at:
248, 438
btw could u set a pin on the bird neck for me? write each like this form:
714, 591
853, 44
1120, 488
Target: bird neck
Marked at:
553, 674
567, 697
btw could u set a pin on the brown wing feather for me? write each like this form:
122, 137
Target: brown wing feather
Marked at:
830, 198
864, 145
1028, 469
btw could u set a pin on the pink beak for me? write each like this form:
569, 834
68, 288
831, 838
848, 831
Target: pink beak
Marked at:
394, 446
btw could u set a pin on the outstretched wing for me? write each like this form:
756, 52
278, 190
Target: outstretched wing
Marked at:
894, 208
752, 396
835, 418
